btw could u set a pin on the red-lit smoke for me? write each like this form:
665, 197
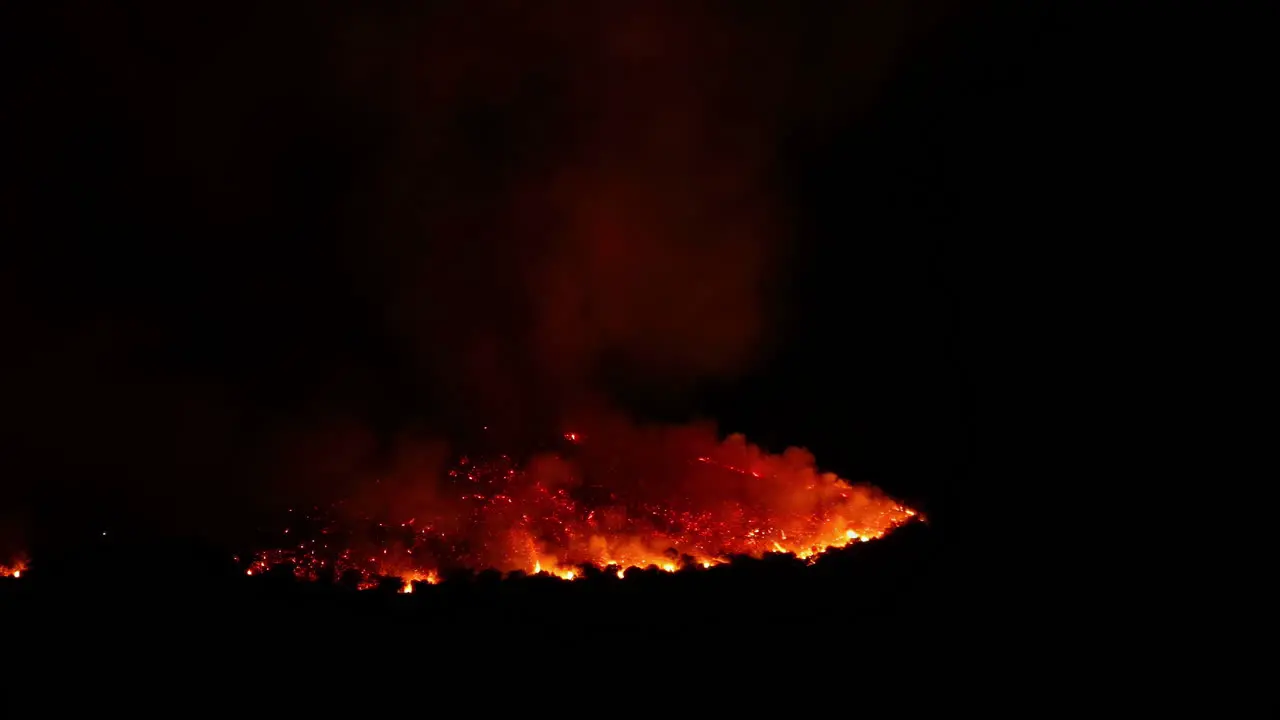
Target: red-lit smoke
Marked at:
617, 497
469, 213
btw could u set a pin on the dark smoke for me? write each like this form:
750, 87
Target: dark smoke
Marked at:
255, 246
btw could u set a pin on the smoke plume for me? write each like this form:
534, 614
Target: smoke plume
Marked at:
259, 246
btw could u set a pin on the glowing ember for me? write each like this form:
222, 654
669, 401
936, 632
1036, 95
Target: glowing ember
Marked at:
560, 516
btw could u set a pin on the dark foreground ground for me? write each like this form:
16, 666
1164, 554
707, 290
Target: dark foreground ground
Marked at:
875, 588
752, 638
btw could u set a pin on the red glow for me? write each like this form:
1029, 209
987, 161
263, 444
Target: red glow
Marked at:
14, 569
669, 500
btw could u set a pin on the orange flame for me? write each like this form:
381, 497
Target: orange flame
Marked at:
15, 570
728, 498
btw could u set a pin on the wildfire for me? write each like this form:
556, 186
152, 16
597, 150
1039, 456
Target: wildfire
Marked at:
556, 518
413, 578
14, 570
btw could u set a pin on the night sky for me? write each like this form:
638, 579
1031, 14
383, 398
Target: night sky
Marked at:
250, 252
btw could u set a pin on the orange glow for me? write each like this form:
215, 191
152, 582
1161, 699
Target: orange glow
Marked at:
685, 506
14, 570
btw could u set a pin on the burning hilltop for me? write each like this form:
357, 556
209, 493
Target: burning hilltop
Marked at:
457, 237
614, 499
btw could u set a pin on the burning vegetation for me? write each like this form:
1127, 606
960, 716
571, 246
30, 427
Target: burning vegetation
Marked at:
14, 569
616, 500
664, 498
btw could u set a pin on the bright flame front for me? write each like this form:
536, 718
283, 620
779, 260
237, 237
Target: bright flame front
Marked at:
545, 517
